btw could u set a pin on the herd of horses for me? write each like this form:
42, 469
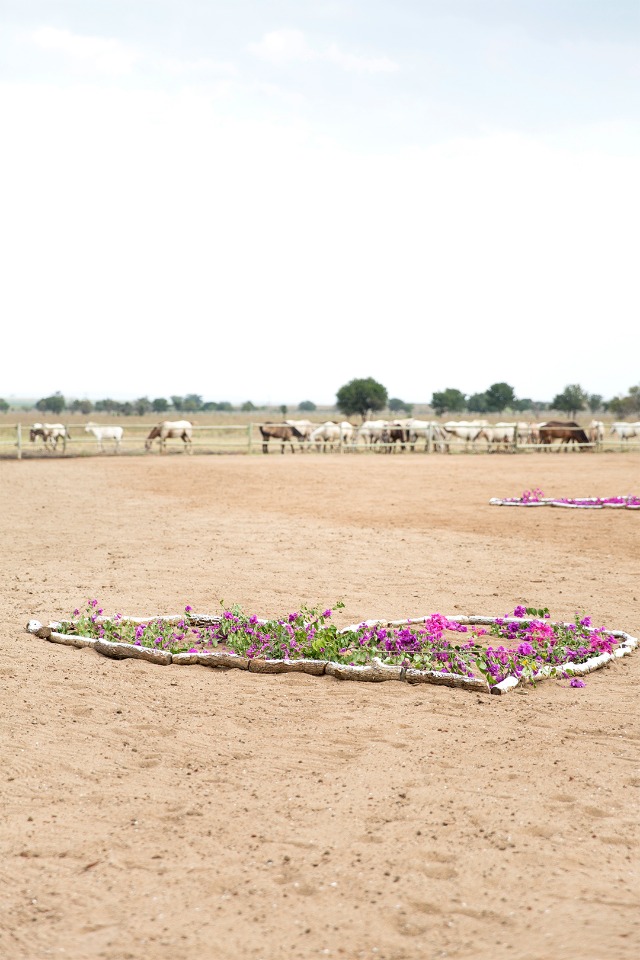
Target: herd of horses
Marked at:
405, 434
381, 435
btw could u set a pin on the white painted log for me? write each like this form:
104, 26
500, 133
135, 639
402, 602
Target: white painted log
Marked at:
71, 640
313, 667
220, 658
505, 686
185, 658
125, 651
413, 675
370, 672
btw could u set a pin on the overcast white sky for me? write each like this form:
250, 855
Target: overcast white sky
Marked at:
262, 200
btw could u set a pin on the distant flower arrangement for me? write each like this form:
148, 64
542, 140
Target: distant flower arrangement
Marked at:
491, 654
536, 498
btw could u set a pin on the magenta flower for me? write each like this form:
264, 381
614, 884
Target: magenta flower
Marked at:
525, 649
575, 682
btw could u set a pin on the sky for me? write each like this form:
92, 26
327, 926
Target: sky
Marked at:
264, 199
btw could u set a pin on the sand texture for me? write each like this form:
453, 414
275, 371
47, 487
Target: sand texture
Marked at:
161, 813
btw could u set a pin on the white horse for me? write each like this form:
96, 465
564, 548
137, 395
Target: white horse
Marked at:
105, 433
171, 429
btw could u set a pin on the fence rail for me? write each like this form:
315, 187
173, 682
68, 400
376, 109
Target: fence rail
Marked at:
246, 439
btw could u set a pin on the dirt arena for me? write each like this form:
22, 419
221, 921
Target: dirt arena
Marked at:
184, 813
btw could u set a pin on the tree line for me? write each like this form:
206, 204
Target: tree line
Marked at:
363, 397
367, 396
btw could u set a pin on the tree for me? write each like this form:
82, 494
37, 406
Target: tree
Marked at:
307, 406
177, 402
81, 406
449, 400
625, 406
395, 404
477, 403
572, 399
499, 396
283, 409
4, 406
53, 404
108, 406
247, 406
594, 401
362, 396
160, 405
142, 405
192, 403
521, 405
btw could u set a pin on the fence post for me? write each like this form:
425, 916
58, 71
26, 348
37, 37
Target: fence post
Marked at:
249, 437
429, 436
515, 437
19, 440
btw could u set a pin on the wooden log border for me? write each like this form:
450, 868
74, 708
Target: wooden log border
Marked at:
588, 503
374, 672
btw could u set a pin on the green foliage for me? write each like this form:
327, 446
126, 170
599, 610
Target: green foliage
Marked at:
521, 405
53, 404
499, 396
572, 399
363, 396
283, 409
477, 403
160, 405
594, 401
396, 404
177, 403
448, 401
142, 405
4, 406
108, 406
307, 406
625, 406
192, 403
248, 406
81, 406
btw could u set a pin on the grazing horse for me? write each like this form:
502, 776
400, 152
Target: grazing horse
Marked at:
279, 431
168, 429
105, 433
567, 431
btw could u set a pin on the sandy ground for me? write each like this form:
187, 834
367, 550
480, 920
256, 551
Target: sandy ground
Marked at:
181, 812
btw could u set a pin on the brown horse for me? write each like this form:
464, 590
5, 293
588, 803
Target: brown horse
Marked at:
279, 431
567, 431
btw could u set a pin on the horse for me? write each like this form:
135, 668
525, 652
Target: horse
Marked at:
567, 431
167, 430
51, 434
105, 433
279, 431
305, 429
595, 431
